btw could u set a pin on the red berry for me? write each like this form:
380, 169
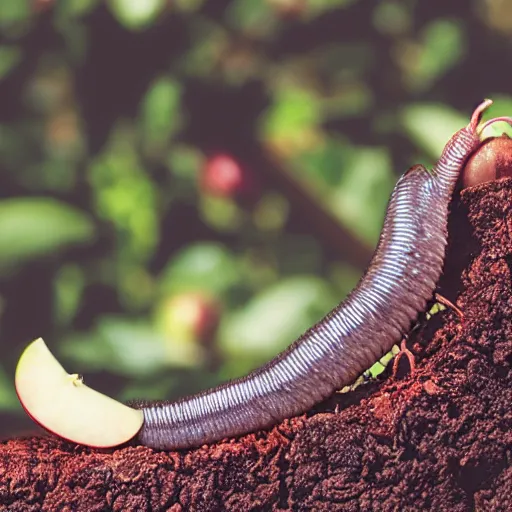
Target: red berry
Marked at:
223, 176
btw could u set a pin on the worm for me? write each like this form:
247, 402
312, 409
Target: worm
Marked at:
396, 286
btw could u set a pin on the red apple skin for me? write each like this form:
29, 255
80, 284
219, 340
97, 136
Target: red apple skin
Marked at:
41, 425
192, 315
60, 435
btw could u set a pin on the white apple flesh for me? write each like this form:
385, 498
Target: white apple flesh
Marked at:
64, 405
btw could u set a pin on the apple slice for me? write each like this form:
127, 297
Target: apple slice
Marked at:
64, 405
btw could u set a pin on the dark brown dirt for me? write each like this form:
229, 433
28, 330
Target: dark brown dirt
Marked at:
440, 439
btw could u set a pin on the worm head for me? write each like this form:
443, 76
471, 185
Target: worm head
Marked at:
474, 123
476, 127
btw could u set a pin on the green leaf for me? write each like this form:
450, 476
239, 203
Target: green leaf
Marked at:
431, 125
137, 347
185, 162
126, 196
257, 18
443, 47
161, 116
361, 197
71, 8
222, 213
208, 43
392, 18
274, 318
293, 110
13, 12
69, 284
376, 369
324, 163
33, 227
127, 347
136, 14
201, 266
8, 400
9, 57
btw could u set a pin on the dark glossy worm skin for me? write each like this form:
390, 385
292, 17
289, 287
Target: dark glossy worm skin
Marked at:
398, 283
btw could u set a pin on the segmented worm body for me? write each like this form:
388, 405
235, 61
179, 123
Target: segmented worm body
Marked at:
399, 281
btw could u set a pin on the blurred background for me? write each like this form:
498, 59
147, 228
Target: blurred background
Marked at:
187, 185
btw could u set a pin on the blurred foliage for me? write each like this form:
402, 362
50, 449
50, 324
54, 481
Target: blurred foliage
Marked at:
144, 232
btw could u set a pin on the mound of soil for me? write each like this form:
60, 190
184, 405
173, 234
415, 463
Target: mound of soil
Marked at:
438, 437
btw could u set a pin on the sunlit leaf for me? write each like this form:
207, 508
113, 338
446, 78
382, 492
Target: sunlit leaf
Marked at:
32, 227
291, 123
443, 46
136, 14
377, 368
374, 371
120, 345
431, 125
201, 266
292, 111
361, 197
275, 317
126, 196
161, 116
139, 349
